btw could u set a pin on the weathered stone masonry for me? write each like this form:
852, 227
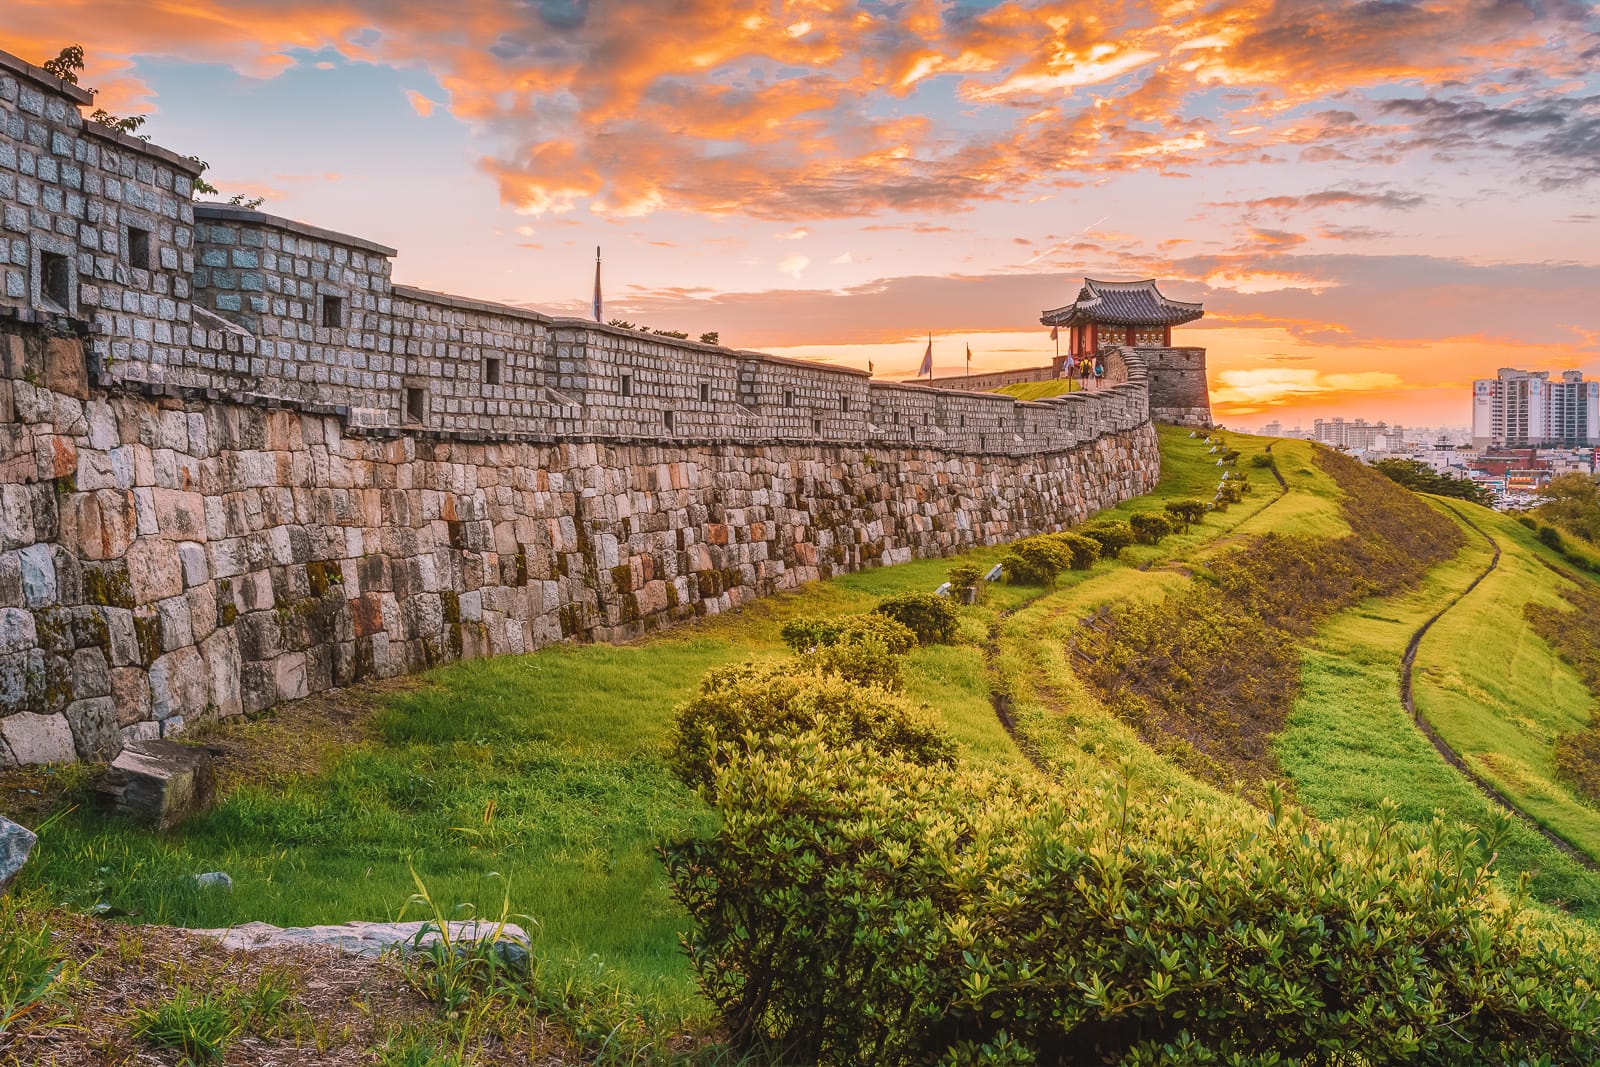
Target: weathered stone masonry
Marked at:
239, 465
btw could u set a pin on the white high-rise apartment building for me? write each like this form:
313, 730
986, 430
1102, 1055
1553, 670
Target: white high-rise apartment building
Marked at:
1523, 408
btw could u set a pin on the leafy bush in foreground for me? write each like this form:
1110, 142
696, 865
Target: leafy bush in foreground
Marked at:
931, 618
854, 907
742, 708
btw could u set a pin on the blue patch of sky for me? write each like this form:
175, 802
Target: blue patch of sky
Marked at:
348, 118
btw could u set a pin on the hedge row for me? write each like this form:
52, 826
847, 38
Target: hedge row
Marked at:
858, 907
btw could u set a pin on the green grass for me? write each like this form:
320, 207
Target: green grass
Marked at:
1498, 694
539, 776
1040, 390
1349, 743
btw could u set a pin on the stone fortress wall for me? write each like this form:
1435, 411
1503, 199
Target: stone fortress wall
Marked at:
239, 465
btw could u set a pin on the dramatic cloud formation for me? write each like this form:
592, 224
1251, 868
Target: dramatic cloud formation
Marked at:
828, 108
834, 172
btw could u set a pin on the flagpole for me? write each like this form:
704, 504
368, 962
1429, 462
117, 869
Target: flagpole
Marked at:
597, 283
930, 355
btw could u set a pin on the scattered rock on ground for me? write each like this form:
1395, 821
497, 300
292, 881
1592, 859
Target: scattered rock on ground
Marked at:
158, 782
214, 878
371, 938
16, 842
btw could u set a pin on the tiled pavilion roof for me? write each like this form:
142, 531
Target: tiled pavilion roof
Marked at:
1122, 304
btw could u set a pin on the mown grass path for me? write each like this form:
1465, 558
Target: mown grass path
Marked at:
1450, 756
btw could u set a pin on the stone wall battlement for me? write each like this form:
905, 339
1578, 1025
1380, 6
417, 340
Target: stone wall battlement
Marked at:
239, 465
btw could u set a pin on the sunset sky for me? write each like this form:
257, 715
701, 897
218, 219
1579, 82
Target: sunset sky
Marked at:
1377, 202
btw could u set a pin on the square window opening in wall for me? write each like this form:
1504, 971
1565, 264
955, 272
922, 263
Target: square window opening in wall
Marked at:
55, 279
816, 425
705, 392
416, 405
491, 371
666, 420
137, 248
924, 418
333, 312
627, 385
788, 398
844, 404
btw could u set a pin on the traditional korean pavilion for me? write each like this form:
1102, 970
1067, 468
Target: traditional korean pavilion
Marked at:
1119, 313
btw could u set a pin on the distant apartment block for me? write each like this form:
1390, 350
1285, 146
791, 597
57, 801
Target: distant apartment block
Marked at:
1523, 408
1357, 436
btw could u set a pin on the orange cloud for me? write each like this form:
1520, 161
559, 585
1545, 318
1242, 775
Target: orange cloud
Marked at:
793, 109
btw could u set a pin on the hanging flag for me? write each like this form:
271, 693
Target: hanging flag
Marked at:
969, 357
927, 360
1055, 333
869, 368
597, 283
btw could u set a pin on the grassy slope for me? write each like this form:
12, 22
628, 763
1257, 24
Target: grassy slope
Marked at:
1349, 743
1498, 694
564, 744
1040, 390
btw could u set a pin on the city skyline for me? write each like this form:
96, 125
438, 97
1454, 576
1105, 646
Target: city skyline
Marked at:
1377, 205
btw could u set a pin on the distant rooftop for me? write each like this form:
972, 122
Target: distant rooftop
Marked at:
1122, 304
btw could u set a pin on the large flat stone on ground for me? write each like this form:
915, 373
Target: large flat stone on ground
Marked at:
365, 938
159, 783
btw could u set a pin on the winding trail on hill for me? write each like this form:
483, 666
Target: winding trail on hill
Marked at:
1000, 697
1408, 699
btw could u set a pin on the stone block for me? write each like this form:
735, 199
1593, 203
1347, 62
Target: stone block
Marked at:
179, 684
38, 572
17, 631
65, 369
154, 571
159, 783
96, 733
38, 738
192, 559
90, 676
221, 653
180, 515
130, 689
290, 676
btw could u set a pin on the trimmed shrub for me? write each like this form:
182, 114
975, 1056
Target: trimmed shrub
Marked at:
1149, 527
855, 908
1113, 537
967, 576
931, 618
1261, 459
1036, 561
1529, 521
813, 631
741, 709
1551, 537
1187, 512
1084, 551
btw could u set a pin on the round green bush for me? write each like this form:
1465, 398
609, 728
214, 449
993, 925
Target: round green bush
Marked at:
931, 618
1150, 527
741, 709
